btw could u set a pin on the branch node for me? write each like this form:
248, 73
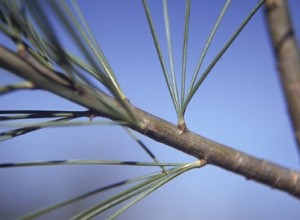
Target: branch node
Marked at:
91, 115
182, 127
201, 163
294, 87
276, 182
145, 126
239, 160
294, 178
21, 49
270, 5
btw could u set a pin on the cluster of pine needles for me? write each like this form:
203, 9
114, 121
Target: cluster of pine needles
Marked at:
28, 25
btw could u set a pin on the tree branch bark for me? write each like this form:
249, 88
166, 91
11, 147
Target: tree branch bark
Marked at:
287, 56
156, 128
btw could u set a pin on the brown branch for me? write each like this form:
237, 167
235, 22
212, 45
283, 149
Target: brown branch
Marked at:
287, 56
159, 129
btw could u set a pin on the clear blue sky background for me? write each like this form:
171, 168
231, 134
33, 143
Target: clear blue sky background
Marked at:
240, 104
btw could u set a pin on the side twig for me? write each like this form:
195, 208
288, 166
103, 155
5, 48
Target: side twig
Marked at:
287, 57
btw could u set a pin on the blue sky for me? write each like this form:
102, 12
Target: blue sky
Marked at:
240, 104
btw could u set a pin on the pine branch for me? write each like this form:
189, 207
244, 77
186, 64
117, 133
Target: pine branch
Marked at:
158, 129
287, 55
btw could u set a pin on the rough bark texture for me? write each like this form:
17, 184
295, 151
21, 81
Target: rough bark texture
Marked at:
154, 127
287, 56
